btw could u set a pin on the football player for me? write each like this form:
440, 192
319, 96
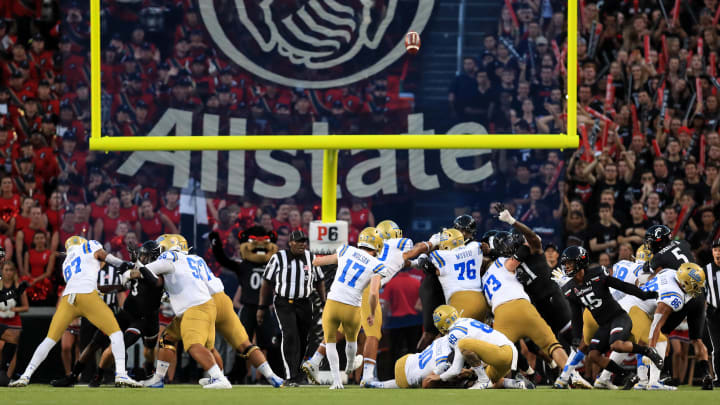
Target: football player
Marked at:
137, 318
515, 316
185, 280
393, 245
360, 268
80, 298
412, 370
227, 324
681, 297
590, 288
534, 274
458, 268
477, 343
666, 252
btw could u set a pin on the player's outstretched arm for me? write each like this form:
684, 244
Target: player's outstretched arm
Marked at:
325, 260
530, 236
631, 289
219, 253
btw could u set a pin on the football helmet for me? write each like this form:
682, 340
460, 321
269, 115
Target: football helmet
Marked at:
444, 317
168, 242
642, 254
657, 237
465, 223
691, 278
450, 239
505, 244
370, 238
487, 235
148, 252
182, 242
74, 241
388, 229
578, 256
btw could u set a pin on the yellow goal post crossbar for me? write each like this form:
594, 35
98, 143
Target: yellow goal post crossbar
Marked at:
329, 143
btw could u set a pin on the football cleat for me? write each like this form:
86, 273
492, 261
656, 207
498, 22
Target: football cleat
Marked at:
658, 386
372, 384
204, 381
653, 355
707, 383
123, 380
337, 386
481, 385
350, 367
561, 384
154, 382
4, 380
604, 385
528, 384
278, 382
218, 384
311, 370
630, 382
20, 382
65, 381
516, 385
579, 382
640, 385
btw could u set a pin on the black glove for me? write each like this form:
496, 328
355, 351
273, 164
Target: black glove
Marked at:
426, 265
650, 295
214, 238
646, 267
126, 266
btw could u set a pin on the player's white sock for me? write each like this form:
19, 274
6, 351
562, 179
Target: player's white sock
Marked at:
480, 372
266, 371
572, 363
215, 372
390, 384
318, 357
642, 368
368, 369
117, 345
334, 360
661, 348
350, 352
161, 368
39, 356
617, 358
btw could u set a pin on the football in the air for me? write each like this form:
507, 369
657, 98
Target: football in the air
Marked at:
412, 42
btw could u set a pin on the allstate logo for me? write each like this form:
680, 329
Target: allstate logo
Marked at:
313, 43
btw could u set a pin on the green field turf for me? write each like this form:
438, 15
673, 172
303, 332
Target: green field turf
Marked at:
192, 395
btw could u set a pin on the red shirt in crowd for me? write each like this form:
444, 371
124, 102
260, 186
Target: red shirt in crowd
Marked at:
54, 218
129, 215
38, 261
359, 219
151, 228
9, 207
173, 215
402, 293
109, 226
97, 211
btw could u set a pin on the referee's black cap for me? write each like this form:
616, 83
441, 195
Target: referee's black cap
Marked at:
716, 243
298, 236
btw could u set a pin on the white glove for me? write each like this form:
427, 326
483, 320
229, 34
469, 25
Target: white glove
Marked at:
435, 240
506, 217
125, 278
559, 277
416, 261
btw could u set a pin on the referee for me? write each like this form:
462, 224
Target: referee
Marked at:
292, 277
712, 291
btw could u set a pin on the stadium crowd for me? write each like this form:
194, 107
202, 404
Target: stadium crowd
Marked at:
647, 106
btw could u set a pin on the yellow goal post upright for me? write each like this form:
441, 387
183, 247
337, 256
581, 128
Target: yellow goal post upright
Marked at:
330, 144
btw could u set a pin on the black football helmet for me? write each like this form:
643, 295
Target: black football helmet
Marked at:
657, 237
505, 244
148, 252
576, 255
465, 223
487, 235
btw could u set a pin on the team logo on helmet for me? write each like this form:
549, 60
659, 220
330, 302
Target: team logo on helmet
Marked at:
316, 43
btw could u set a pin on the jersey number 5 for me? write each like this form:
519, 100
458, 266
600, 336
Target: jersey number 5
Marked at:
678, 255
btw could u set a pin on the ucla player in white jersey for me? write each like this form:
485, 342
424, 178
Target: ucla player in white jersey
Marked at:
681, 297
357, 268
185, 280
394, 245
514, 314
80, 298
226, 323
477, 343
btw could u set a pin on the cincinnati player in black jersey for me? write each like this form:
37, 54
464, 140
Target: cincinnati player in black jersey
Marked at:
590, 288
667, 253
137, 318
535, 275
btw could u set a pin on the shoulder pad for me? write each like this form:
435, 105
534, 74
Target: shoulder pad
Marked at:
169, 255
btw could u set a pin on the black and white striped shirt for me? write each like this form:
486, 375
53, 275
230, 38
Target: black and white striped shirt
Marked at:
294, 276
109, 275
712, 287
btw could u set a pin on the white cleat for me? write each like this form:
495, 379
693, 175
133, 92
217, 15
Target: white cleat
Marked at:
311, 370
20, 382
640, 385
204, 381
350, 367
579, 382
218, 384
154, 382
658, 386
337, 386
481, 385
604, 385
123, 380
517, 385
